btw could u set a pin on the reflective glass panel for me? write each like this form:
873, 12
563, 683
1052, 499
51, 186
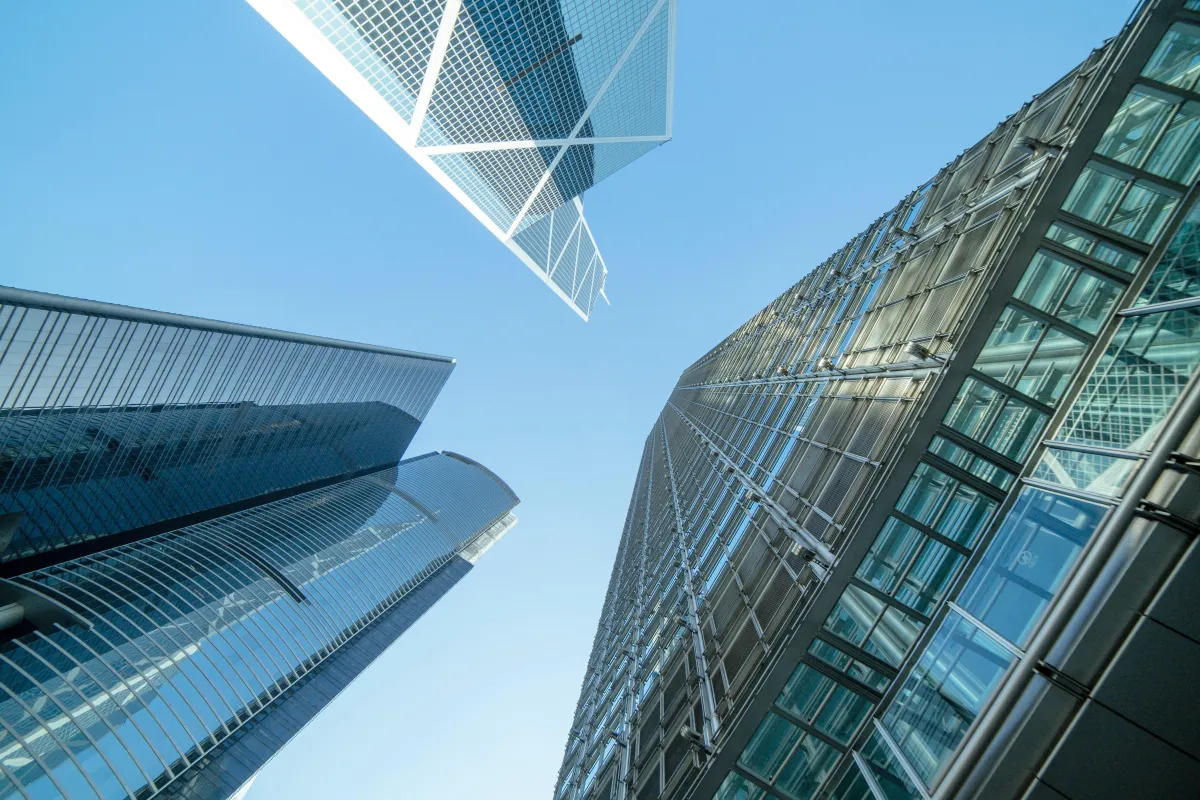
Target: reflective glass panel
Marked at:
1177, 59
1135, 127
1099, 473
1177, 275
1091, 245
770, 747
944, 693
736, 787
1032, 554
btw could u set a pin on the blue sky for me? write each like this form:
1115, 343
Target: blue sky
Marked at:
182, 156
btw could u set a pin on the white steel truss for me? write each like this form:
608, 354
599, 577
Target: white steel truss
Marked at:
514, 126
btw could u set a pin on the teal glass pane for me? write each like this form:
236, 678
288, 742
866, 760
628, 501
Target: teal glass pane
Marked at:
1046, 281
1002, 423
807, 768
887, 771
1136, 126
805, 693
1177, 59
1091, 245
944, 693
1096, 194
890, 555
1033, 552
843, 713
1177, 275
1052, 366
854, 615
852, 786
976, 465
1098, 473
1009, 346
835, 658
1143, 211
1016, 429
1177, 154
737, 787
770, 747
929, 576
1090, 302
893, 636
1136, 383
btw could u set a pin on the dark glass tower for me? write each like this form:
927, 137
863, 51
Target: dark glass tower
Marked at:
925, 526
210, 532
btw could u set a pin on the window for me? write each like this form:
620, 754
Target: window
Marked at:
1136, 383
868, 622
1091, 245
1157, 132
1032, 554
1177, 276
945, 504
1115, 200
943, 695
1177, 59
909, 566
1005, 424
1076, 296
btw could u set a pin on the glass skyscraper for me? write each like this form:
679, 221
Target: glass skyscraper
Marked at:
925, 526
209, 530
514, 106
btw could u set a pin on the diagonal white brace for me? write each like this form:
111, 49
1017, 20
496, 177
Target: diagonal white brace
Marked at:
436, 56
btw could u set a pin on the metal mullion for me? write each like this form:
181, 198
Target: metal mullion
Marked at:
808, 728
887, 600
1089, 262
1010, 392
1141, 249
900, 758
1049, 319
964, 476
1140, 174
1069, 491
868, 775
930, 533
1159, 308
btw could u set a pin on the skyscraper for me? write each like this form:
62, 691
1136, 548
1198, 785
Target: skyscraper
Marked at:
514, 106
924, 527
209, 531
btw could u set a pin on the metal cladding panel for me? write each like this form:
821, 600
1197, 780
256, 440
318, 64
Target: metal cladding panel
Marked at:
515, 106
197, 653
113, 419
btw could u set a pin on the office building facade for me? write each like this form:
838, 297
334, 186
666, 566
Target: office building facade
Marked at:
515, 107
210, 530
924, 527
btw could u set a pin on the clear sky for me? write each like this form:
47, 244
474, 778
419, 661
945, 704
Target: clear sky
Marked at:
179, 155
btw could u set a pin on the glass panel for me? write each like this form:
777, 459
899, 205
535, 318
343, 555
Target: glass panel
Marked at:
888, 773
1092, 472
976, 465
944, 694
852, 786
805, 692
806, 770
1096, 194
909, 565
1004, 424
1177, 59
855, 669
1177, 276
894, 548
843, 713
1090, 301
1046, 281
1051, 368
1136, 382
1009, 346
1136, 126
854, 615
771, 745
1034, 550
1091, 245
893, 636
1178, 152
736, 787
1143, 212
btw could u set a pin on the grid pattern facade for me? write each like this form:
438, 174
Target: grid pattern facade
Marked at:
516, 106
187, 637
111, 419
855, 512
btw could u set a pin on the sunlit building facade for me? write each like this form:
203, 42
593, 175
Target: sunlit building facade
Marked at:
515, 106
210, 530
924, 527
